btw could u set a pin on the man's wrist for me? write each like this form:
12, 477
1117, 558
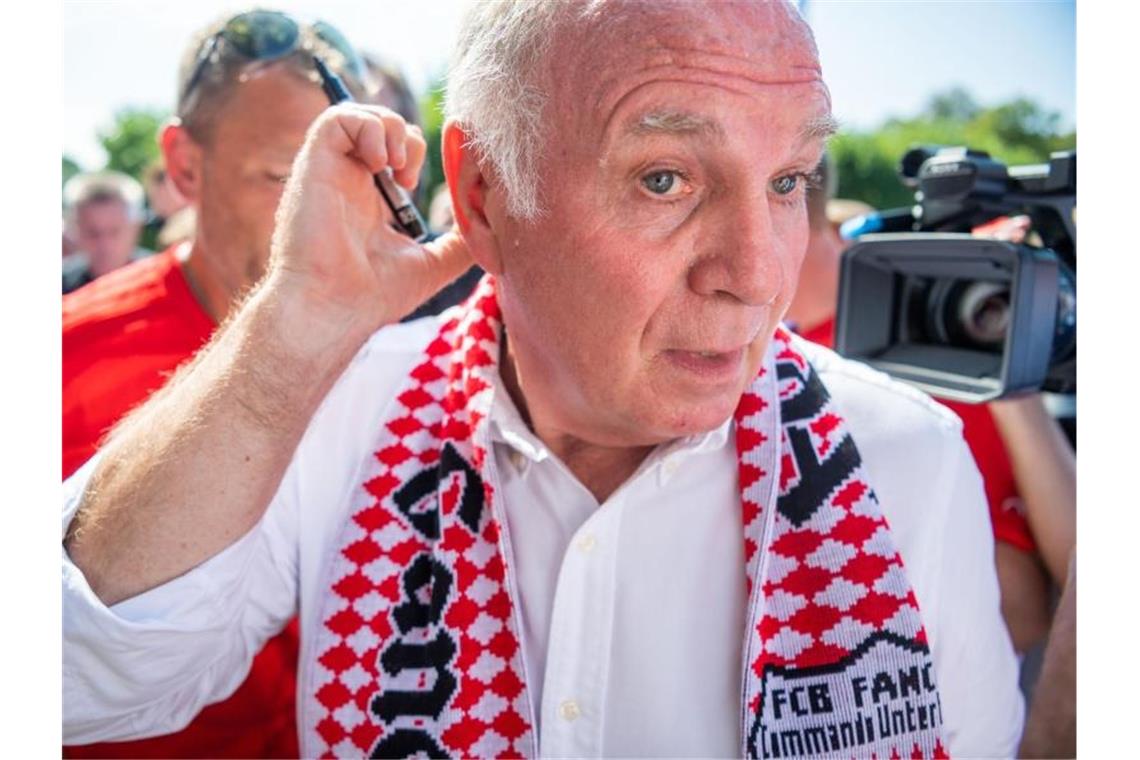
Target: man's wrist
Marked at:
312, 325
296, 349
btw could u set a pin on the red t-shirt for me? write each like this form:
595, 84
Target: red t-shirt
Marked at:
123, 336
1007, 511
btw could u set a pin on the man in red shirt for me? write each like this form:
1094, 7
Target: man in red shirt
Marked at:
1027, 466
243, 111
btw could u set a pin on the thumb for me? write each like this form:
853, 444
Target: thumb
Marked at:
448, 257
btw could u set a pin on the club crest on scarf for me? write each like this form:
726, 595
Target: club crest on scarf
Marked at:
419, 652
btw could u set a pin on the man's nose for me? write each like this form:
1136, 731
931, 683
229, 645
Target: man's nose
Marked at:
741, 258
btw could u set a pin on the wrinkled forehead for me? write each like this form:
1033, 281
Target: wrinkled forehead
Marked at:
622, 43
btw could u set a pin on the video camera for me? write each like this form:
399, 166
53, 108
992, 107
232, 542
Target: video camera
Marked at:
962, 316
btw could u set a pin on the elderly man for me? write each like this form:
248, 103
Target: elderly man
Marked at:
104, 213
606, 507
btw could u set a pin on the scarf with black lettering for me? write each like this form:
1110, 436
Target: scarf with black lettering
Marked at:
419, 649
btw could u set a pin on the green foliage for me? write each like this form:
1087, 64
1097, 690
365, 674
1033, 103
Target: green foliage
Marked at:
431, 111
955, 104
132, 142
70, 168
1018, 132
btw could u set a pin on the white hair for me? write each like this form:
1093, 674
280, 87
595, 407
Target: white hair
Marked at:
94, 187
495, 92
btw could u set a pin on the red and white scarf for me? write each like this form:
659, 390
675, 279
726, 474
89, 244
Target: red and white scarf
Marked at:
419, 650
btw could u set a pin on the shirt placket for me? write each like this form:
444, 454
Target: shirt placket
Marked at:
577, 665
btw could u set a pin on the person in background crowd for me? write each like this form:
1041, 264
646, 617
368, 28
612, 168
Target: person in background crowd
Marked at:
104, 211
606, 507
163, 201
392, 89
440, 216
69, 246
240, 120
177, 228
1027, 466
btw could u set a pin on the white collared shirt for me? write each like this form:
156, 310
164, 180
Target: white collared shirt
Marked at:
632, 611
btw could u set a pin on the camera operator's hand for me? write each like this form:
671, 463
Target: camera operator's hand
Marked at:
334, 250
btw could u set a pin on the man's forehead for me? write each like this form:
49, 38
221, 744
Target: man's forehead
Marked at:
760, 42
683, 121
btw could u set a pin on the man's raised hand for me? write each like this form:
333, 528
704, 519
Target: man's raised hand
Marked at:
334, 251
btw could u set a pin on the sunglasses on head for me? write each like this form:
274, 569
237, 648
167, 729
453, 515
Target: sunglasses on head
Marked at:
267, 36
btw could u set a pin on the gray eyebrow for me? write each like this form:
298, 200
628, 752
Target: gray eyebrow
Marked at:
819, 128
686, 123
676, 123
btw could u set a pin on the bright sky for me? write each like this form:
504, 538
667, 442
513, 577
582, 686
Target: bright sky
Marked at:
879, 58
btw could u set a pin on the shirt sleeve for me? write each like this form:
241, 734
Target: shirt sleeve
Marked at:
147, 665
977, 668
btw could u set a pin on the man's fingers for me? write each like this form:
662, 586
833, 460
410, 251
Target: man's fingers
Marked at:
449, 256
416, 147
395, 133
374, 136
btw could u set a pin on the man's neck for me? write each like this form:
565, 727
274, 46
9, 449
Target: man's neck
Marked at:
601, 469
215, 289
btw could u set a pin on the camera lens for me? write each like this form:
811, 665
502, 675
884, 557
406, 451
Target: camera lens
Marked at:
967, 314
983, 312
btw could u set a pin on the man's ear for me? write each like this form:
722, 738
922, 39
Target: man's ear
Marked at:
182, 155
469, 188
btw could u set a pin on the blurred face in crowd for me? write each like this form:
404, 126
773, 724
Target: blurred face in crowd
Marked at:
641, 304
106, 232
235, 172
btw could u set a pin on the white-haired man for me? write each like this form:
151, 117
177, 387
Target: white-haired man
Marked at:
104, 212
605, 508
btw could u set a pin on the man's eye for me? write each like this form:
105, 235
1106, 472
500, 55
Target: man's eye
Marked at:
786, 185
664, 182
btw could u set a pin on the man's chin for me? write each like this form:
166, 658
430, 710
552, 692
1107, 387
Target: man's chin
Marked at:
687, 416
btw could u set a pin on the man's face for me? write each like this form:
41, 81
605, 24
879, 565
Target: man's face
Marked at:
640, 306
245, 161
105, 231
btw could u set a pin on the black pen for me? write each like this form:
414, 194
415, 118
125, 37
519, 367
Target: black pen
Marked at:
397, 198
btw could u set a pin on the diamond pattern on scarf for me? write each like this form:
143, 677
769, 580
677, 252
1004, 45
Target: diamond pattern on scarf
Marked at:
419, 651
828, 545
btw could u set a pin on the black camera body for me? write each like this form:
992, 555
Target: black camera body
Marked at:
960, 316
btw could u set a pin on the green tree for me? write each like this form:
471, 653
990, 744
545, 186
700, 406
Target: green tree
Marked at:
431, 112
954, 104
1017, 132
70, 168
132, 142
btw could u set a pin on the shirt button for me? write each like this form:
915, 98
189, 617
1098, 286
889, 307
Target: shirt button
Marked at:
670, 466
517, 459
587, 543
569, 710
